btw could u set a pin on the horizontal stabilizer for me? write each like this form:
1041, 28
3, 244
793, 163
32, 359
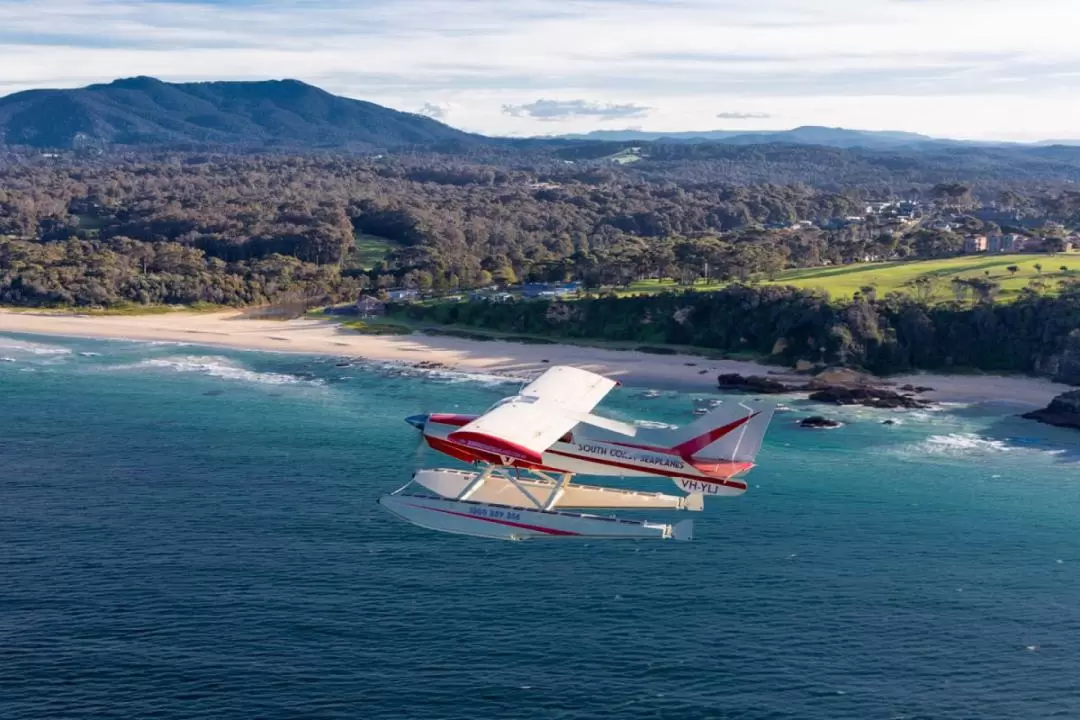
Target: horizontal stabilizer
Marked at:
683, 530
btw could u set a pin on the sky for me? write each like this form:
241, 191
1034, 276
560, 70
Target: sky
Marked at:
978, 69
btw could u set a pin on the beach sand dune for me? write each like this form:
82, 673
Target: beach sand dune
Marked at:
319, 337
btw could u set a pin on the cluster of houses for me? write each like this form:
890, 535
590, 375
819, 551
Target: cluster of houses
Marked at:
893, 212
372, 306
1012, 242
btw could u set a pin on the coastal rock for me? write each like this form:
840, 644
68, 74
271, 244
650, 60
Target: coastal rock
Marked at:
817, 422
1063, 411
868, 396
842, 377
916, 388
755, 384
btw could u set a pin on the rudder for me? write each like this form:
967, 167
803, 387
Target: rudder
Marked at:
731, 432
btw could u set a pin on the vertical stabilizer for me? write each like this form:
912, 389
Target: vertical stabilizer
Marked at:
730, 432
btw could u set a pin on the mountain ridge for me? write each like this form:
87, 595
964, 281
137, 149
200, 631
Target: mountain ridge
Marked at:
140, 111
802, 135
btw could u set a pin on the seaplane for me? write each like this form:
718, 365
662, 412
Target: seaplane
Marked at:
528, 447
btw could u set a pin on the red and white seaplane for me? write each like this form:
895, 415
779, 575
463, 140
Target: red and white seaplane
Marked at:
548, 432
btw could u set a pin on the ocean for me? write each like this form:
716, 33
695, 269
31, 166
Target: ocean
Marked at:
188, 532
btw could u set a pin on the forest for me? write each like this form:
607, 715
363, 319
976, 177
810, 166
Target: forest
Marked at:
86, 229
1036, 334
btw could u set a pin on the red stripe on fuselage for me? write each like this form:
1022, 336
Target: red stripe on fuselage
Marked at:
467, 454
665, 473
451, 419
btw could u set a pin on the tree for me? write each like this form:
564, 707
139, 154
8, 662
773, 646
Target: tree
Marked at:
505, 275
985, 290
924, 288
961, 289
1038, 268
1054, 244
1013, 269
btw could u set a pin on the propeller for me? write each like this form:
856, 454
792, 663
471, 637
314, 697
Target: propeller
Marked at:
420, 445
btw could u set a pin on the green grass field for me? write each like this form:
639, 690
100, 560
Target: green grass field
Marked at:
846, 280
843, 281
371, 249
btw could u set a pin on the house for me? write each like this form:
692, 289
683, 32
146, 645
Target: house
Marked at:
369, 306
496, 297
549, 290
975, 243
1008, 242
402, 294
878, 207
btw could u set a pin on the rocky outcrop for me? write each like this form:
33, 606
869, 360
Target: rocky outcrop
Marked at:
1063, 411
868, 396
835, 386
817, 422
843, 377
755, 384
915, 388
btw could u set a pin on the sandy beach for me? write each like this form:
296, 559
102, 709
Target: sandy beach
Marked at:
319, 337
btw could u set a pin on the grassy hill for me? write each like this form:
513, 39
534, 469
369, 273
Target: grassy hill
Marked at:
888, 277
844, 281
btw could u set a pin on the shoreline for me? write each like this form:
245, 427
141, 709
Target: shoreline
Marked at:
312, 336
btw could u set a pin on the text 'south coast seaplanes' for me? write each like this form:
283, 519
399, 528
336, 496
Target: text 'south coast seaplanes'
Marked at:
528, 448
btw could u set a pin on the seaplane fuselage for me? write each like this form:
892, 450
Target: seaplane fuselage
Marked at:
587, 450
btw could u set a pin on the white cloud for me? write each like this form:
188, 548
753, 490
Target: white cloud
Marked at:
434, 110
548, 110
743, 115
967, 68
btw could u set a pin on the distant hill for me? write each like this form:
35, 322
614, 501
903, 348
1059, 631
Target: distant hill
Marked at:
143, 111
806, 135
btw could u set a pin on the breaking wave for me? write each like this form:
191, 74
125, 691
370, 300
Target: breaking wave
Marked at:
397, 369
654, 425
959, 443
214, 366
30, 348
454, 376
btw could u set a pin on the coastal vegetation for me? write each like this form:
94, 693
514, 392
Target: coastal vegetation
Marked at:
789, 270
1035, 334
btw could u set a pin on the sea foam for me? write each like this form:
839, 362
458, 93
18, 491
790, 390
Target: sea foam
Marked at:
214, 366
11, 345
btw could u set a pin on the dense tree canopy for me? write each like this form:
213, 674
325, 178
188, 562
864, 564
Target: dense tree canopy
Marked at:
1035, 334
248, 229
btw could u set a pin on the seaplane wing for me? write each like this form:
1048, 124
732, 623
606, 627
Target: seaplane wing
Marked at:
518, 430
524, 426
569, 388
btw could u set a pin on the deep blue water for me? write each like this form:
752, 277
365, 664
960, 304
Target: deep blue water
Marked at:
193, 533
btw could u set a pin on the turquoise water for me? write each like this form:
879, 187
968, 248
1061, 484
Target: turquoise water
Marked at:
187, 532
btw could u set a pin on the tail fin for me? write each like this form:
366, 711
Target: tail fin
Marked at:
730, 432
